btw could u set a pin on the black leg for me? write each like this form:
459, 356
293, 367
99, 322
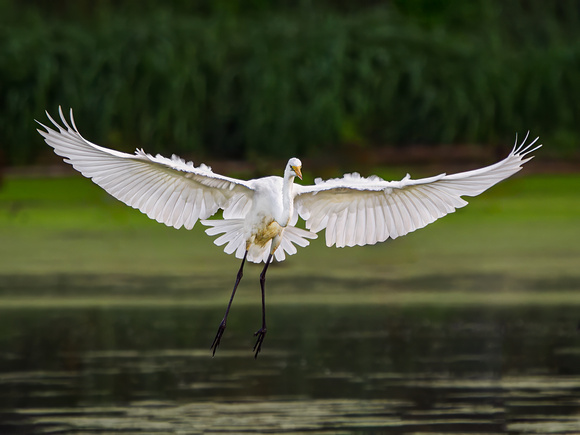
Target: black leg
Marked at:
261, 333
222, 327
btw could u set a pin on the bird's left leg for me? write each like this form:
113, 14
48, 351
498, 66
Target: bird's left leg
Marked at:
261, 333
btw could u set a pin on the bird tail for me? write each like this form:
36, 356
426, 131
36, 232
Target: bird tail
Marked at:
233, 234
290, 237
235, 239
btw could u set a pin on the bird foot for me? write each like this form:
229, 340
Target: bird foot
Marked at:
260, 333
218, 337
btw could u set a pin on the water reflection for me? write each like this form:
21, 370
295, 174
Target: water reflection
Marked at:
324, 369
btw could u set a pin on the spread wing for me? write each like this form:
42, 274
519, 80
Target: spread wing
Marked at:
170, 191
363, 211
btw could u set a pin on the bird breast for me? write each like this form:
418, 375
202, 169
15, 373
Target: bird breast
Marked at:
267, 217
266, 231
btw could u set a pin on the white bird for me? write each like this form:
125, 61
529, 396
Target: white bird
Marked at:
259, 216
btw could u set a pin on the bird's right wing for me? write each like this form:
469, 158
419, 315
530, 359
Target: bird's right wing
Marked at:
360, 211
170, 191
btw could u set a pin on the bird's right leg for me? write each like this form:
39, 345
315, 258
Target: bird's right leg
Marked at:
222, 327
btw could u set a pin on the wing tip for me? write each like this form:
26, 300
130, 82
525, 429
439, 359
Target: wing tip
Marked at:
524, 149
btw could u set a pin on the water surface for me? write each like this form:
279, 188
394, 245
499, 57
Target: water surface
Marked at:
325, 368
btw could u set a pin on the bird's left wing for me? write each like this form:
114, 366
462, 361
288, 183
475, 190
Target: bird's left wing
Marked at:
170, 191
363, 211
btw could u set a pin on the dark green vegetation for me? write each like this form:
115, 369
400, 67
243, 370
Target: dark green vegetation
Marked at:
273, 79
67, 240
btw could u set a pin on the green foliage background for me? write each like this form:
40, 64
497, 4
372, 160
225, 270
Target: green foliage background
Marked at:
234, 79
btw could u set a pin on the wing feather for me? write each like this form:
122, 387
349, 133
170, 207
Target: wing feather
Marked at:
406, 223
170, 191
412, 210
381, 229
356, 211
361, 222
187, 209
369, 224
331, 230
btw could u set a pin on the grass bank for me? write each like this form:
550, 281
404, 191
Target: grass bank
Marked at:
62, 236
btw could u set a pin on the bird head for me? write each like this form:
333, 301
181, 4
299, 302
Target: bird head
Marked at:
294, 167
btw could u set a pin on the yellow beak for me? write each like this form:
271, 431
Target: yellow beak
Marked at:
297, 171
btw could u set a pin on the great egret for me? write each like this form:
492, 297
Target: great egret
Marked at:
259, 216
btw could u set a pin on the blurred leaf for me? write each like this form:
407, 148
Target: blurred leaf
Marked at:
272, 80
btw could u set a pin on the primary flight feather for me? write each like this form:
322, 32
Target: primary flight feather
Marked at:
259, 215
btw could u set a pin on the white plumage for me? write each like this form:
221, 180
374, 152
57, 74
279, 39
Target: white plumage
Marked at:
259, 216
356, 210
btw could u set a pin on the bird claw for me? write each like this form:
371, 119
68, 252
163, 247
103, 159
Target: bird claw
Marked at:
218, 337
260, 333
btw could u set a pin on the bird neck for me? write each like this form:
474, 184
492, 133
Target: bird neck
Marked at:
287, 202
